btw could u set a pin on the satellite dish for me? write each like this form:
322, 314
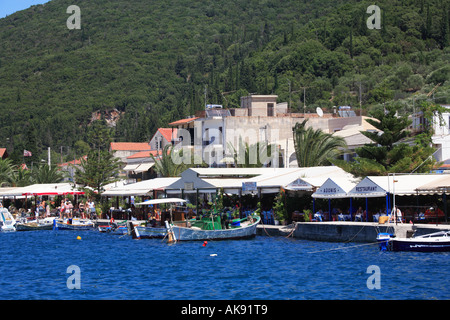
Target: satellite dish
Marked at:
319, 111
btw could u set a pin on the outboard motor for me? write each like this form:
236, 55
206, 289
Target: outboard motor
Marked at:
383, 240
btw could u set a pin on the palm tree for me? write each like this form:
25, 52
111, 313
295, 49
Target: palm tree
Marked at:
253, 156
46, 174
165, 165
313, 147
22, 177
6, 172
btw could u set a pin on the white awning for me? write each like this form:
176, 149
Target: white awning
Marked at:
159, 201
144, 167
140, 188
334, 188
130, 167
401, 185
46, 189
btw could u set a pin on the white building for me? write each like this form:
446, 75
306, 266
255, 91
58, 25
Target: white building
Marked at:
215, 132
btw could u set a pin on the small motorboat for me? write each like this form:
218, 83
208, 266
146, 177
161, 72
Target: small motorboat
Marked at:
7, 221
113, 228
432, 242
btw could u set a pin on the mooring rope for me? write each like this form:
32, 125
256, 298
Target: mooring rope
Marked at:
342, 248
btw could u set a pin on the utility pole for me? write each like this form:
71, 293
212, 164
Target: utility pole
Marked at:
360, 99
304, 99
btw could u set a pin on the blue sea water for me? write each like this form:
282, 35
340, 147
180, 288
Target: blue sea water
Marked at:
35, 266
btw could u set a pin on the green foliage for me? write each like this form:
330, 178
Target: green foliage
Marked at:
165, 166
279, 207
6, 172
391, 152
46, 174
100, 167
313, 147
253, 156
153, 60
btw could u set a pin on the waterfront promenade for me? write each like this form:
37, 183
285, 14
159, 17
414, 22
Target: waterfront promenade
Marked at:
337, 231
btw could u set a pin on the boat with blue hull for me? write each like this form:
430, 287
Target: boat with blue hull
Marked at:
432, 242
73, 224
113, 229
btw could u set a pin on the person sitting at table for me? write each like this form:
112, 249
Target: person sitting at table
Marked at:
334, 214
358, 214
318, 215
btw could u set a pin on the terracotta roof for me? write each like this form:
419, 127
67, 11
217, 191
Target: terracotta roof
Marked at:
144, 154
182, 121
2, 152
167, 133
73, 162
130, 146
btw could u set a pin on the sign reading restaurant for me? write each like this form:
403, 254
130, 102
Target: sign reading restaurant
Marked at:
366, 188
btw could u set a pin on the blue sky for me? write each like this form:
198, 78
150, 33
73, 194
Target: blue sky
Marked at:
8, 7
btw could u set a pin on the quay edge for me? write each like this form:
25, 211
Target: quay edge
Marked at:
340, 231
335, 231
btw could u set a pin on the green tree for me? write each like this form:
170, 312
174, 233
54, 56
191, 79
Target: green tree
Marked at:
387, 153
164, 164
313, 147
253, 156
7, 172
22, 177
100, 166
45, 174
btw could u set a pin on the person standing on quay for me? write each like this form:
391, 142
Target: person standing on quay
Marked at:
91, 206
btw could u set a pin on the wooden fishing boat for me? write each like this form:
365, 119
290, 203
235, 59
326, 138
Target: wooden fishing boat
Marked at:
44, 224
73, 224
207, 228
242, 229
432, 242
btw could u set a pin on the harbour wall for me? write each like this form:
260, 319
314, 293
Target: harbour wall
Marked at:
340, 231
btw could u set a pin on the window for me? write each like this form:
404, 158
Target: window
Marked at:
270, 109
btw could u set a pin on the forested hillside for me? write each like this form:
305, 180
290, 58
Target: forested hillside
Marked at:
154, 60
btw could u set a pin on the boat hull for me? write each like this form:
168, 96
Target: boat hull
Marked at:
420, 246
109, 229
8, 228
191, 234
60, 225
140, 232
32, 227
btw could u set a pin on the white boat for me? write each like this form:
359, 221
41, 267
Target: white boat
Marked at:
432, 242
246, 229
73, 224
152, 229
208, 228
7, 221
